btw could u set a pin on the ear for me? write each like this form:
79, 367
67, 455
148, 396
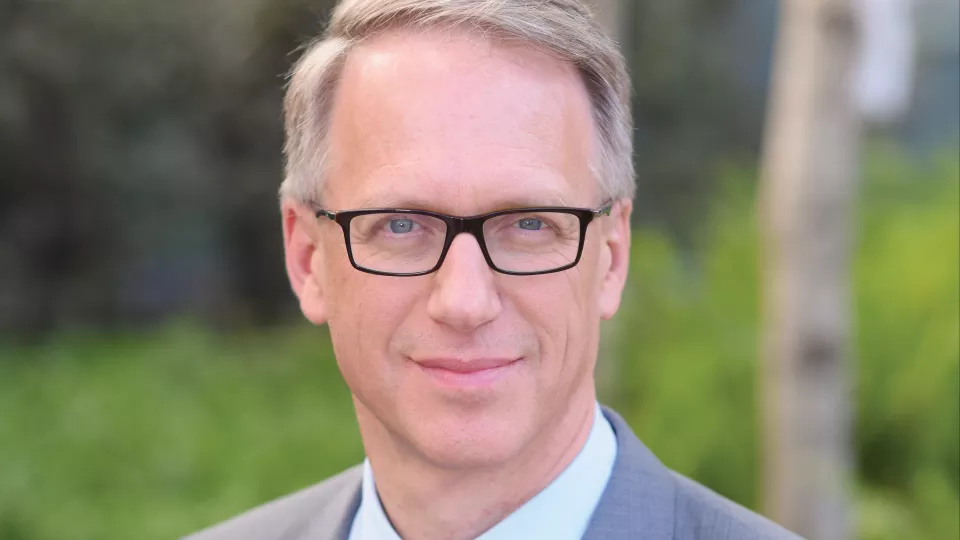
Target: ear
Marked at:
304, 259
617, 241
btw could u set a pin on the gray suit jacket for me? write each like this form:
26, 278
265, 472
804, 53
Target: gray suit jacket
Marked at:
643, 500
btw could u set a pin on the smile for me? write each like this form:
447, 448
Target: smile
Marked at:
467, 374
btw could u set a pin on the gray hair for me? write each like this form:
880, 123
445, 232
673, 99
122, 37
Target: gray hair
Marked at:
563, 28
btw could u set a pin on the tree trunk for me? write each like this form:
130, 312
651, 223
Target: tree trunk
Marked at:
808, 185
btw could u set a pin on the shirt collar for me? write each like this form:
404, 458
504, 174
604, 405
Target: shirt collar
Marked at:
562, 510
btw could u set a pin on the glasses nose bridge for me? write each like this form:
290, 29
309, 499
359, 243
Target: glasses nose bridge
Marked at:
472, 226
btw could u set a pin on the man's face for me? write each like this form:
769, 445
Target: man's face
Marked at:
462, 126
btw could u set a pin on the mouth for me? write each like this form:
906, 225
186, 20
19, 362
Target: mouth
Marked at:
462, 374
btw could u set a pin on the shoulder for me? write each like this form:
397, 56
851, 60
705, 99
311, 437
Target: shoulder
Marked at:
704, 515
645, 498
332, 502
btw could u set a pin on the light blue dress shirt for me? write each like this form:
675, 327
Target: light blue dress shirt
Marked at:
560, 512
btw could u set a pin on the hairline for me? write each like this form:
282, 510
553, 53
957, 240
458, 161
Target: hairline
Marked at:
601, 163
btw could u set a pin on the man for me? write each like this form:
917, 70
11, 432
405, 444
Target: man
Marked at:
456, 209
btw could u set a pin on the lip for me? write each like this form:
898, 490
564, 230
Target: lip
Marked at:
465, 366
467, 373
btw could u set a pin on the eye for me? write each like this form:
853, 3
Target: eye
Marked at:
530, 224
401, 225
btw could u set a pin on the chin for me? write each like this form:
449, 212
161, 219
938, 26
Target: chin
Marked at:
456, 441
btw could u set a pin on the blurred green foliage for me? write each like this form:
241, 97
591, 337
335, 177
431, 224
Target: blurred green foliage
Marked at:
689, 339
151, 436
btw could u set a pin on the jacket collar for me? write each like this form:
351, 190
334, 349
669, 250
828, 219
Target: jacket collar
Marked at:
639, 499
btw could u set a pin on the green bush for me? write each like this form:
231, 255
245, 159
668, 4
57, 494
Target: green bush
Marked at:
152, 436
908, 308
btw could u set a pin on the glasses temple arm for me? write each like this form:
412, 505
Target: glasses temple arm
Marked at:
604, 210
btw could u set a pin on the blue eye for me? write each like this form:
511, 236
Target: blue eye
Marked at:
401, 225
530, 224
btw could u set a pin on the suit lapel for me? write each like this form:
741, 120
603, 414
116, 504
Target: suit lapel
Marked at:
334, 520
639, 499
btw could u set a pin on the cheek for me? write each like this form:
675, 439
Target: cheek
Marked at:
564, 310
570, 296
362, 326
561, 309
365, 312
594, 261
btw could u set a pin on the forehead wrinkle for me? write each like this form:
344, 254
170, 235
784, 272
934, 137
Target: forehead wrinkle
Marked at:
559, 80
565, 90
416, 202
398, 183
461, 156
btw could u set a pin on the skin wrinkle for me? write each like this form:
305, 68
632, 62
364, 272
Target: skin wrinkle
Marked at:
458, 134
378, 60
383, 198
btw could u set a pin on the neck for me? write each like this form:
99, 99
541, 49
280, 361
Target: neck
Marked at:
425, 502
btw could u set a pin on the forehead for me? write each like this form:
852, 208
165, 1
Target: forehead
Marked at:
457, 122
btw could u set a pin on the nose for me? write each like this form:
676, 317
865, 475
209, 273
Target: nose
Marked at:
464, 297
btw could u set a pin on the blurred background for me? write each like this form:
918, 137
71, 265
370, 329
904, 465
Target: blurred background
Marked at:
156, 375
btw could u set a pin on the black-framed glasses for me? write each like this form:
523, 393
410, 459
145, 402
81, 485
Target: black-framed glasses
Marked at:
520, 242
